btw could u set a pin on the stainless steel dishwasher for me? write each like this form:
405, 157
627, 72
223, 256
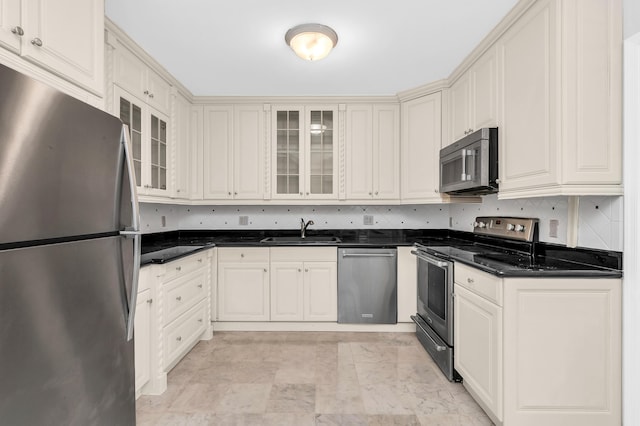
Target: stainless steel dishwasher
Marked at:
367, 286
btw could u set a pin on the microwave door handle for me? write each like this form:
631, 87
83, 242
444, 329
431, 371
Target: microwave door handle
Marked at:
463, 176
471, 172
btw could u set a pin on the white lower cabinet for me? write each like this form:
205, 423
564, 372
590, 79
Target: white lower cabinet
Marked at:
304, 284
172, 314
243, 284
540, 351
142, 339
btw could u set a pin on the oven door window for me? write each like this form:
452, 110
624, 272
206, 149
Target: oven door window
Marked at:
432, 290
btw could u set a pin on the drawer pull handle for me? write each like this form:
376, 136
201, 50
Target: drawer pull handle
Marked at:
179, 338
299, 270
150, 301
178, 268
199, 319
199, 285
470, 280
179, 298
265, 269
200, 260
306, 269
241, 254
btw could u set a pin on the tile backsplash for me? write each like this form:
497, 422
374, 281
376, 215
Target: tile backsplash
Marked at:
600, 221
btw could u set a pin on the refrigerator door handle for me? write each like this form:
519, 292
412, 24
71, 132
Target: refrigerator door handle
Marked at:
135, 216
133, 231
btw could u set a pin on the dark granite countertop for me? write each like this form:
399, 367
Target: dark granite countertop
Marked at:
567, 262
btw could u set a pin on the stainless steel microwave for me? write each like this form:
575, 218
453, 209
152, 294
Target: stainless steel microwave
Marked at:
470, 165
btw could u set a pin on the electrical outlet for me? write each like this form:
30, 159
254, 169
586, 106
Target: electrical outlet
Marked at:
244, 220
163, 221
367, 219
553, 228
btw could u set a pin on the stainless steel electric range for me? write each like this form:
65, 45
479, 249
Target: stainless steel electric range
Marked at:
503, 246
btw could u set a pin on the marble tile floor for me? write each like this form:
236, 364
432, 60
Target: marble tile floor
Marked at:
309, 378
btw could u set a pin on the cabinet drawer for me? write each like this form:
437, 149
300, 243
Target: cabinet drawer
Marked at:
183, 332
184, 292
303, 254
479, 282
185, 265
243, 254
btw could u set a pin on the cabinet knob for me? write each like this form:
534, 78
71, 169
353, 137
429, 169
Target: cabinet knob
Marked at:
200, 260
146, 92
435, 190
179, 338
265, 269
36, 42
299, 270
177, 190
306, 269
235, 193
178, 268
301, 193
199, 319
149, 301
229, 193
151, 95
370, 193
199, 285
179, 298
241, 254
376, 192
470, 130
470, 280
17, 31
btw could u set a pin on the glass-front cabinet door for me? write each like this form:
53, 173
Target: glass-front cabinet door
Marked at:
305, 155
148, 132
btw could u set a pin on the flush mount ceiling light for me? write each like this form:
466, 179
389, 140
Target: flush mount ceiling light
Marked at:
311, 41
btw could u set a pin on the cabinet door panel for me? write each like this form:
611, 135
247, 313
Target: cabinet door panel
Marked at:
420, 147
243, 292
286, 291
10, 17
386, 149
129, 71
218, 152
478, 343
159, 92
529, 107
184, 144
248, 152
142, 341
359, 152
73, 49
459, 108
483, 92
320, 291
321, 152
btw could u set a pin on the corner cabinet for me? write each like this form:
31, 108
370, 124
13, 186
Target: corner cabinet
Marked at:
65, 37
421, 138
233, 152
149, 136
304, 153
372, 161
560, 100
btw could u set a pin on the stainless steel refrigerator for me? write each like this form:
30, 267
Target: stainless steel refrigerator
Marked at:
69, 259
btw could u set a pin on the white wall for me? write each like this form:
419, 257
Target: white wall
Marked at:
631, 17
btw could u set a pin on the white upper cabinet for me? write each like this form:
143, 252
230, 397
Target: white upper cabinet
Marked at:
149, 135
10, 24
135, 76
234, 152
372, 152
64, 36
187, 121
472, 98
421, 138
560, 100
304, 152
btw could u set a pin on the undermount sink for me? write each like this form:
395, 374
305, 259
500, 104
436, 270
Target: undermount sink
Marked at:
314, 239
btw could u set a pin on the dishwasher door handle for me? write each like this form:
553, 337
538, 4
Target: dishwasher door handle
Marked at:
368, 255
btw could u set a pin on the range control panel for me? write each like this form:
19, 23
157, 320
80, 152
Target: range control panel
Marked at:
517, 228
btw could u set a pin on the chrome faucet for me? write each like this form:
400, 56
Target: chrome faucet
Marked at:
304, 226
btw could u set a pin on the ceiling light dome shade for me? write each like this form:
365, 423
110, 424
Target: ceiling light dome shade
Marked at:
311, 41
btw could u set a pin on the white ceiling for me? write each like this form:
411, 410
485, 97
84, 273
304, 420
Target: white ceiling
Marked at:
237, 48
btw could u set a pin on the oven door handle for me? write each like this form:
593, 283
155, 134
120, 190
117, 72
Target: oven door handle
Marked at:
438, 263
